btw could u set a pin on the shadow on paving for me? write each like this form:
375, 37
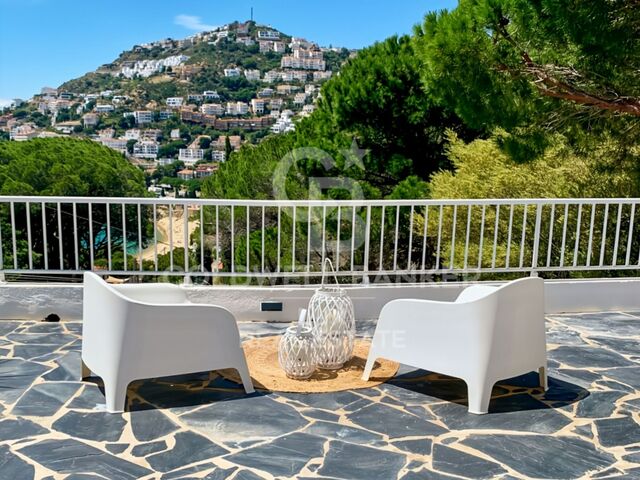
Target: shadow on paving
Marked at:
515, 394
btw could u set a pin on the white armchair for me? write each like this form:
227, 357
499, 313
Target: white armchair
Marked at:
487, 334
132, 332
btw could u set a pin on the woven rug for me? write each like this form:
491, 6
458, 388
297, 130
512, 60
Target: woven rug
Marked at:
262, 357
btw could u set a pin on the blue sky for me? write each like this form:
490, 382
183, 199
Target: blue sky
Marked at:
46, 42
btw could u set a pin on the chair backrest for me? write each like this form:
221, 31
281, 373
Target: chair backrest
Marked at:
519, 329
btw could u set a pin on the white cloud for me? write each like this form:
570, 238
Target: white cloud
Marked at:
193, 23
5, 102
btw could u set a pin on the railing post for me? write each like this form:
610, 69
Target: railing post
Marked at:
536, 241
367, 241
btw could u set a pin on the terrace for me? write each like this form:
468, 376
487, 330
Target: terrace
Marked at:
416, 426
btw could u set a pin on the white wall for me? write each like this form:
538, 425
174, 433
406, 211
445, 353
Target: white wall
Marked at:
33, 301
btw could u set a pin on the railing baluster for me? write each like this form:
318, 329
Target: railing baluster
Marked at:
577, 242
630, 237
233, 236
308, 269
551, 223
294, 227
1, 251
508, 255
155, 237
75, 235
381, 238
139, 236
278, 251
248, 240
524, 233
604, 234
185, 237
536, 240
217, 257
591, 226
466, 238
61, 253
27, 210
124, 235
91, 237
614, 261
564, 233
437, 265
353, 237
171, 237
480, 252
453, 237
367, 241
262, 244
395, 242
13, 236
45, 243
424, 237
337, 255
202, 238
495, 237
410, 247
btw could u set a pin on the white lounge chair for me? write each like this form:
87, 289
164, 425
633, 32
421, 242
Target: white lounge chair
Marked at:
487, 334
132, 332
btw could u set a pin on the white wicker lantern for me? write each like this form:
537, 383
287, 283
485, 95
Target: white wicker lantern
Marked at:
297, 351
332, 322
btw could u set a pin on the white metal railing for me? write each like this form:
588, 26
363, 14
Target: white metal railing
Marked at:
256, 239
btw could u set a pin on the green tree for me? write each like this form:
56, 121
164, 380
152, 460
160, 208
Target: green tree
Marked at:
65, 167
536, 67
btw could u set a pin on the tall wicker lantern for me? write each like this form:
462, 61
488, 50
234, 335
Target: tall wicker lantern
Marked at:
332, 322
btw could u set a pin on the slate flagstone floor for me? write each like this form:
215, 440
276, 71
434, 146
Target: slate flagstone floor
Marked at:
416, 427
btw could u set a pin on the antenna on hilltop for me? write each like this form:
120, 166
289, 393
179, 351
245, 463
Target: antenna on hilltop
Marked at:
252, 14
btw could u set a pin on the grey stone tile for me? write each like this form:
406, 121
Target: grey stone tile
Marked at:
151, 424
32, 352
96, 426
148, 448
189, 448
7, 326
54, 339
345, 460
68, 368
45, 399
450, 460
394, 423
185, 472
426, 474
72, 456
542, 456
332, 402
13, 467
628, 376
598, 404
221, 474
582, 357
625, 346
19, 428
418, 447
320, 415
90, 398
117, 448
335, 431
230, 421
283, 457
16, 376
247, 475
614, 432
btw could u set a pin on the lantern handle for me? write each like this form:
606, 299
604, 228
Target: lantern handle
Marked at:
333, 271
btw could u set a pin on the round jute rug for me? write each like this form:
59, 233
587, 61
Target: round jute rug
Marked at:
262, 357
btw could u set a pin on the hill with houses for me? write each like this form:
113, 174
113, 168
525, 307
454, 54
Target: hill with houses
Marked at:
192, 101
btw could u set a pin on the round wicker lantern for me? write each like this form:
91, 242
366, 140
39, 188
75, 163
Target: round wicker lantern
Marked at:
297, 352
332, 321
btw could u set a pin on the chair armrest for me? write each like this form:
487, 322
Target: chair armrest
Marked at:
153, 293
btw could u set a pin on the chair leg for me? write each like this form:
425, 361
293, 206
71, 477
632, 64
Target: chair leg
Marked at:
85, 372
116, 394
542, 374
371, 360
243, 370
479, 396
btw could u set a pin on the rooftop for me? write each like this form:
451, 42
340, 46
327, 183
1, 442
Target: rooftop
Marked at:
587, 425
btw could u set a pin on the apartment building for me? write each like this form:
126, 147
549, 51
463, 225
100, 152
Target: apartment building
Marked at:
252, 75
105, 108
90, 120
132, 134
268, 35
212, 109
218, 155
143, 116
175, 102
190, 155
232, 72
257, 106
237, 108
146, 149
118, 144
210, 95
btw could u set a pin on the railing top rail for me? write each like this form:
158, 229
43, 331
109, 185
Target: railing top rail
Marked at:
314, 203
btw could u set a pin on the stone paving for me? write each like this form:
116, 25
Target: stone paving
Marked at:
415, 427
